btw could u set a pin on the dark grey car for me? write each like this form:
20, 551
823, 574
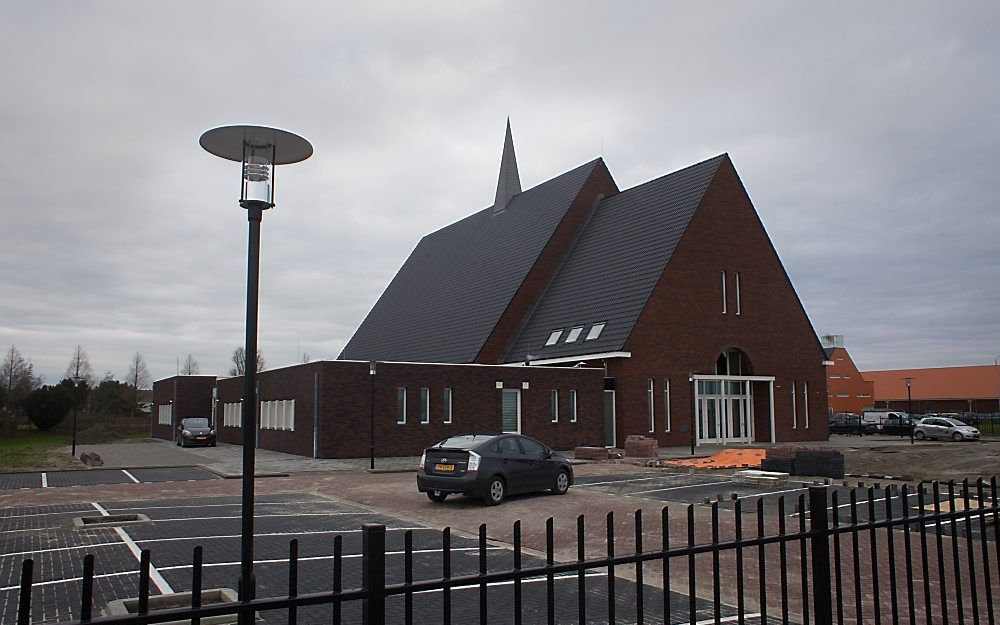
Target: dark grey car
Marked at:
491, 466
195, 431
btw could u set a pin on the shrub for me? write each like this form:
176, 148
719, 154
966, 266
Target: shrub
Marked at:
47, 406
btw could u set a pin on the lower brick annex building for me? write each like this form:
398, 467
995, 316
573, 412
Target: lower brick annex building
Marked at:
574, 312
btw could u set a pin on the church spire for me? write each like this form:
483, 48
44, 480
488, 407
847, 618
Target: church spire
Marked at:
509, 183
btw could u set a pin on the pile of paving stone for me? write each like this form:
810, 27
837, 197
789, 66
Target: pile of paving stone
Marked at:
799, 460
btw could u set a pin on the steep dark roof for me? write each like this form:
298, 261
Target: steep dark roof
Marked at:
448, 296
611, 271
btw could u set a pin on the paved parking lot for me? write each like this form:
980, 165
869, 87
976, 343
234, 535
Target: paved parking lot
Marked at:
44, 534
92, 477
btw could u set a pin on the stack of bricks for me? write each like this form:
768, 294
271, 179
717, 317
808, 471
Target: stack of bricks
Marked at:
637, 446
599, 454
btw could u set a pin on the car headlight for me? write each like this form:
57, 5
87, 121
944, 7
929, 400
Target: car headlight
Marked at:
186, 432
474, 459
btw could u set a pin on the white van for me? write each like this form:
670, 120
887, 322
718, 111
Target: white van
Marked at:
881, 416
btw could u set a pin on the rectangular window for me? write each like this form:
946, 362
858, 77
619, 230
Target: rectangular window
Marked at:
723, 292
650, 405
425, 405
401, 405
595, 331
555, 406
232, 414
163, 414
864, 394
666, 405
843, 394
572, 406
736, 291
805, 401
834, 377
574, 334
795, 420
278, 414
553, 338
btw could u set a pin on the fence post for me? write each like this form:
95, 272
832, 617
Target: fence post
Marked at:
819, 526
24, 595
373, 574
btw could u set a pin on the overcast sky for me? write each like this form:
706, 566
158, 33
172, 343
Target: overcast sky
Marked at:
868, 136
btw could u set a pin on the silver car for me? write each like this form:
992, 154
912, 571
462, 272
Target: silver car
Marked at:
942, 427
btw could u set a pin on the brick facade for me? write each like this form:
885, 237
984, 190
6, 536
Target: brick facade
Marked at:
188, 396
333, 406
848, 391
683, 328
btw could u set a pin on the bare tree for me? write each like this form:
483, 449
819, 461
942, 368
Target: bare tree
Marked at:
240, 361
138, 378
79, 367
190, 366
17, 379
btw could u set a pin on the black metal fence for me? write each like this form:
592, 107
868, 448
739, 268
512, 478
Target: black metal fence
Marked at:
927, 554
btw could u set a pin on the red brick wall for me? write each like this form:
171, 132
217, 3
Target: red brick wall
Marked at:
683, 329
848, 381
599, 184
345, 406
191, 395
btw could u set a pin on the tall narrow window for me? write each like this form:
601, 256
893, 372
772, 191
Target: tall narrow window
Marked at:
666, 405
425, 405
805, 401
447, 405
401, 405
555, 406
572, 406
650, 405
795, 420
737, 292
723, 292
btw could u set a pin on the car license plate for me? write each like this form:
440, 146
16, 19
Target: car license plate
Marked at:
444, 467
199, 438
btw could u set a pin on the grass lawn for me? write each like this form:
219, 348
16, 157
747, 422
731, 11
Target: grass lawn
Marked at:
29, 450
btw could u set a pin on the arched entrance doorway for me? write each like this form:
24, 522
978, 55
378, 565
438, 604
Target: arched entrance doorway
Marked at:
724, 403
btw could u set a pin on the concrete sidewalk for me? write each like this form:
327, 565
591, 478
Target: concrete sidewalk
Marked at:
227, 460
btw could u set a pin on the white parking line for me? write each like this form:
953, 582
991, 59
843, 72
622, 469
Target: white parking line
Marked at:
34, 551
154, 574
725, 619
23, 516
258, 535
262, 516
530, 580
206, 565
637, 479
223, 505
660, 490
99, 508
130, 476
45, 480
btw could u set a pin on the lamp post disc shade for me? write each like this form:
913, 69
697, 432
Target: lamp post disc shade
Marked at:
227, 142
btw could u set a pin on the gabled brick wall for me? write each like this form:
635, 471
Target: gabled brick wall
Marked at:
191, 396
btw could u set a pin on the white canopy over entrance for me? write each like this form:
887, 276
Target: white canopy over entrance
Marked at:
724, 408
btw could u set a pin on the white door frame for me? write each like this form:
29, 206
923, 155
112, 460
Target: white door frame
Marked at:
723, 407
614, 418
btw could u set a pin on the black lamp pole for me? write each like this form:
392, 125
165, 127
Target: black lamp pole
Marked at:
259, 149
76, 401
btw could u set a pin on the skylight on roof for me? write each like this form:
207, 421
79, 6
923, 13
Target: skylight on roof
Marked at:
574, 334
595, 331
553, 338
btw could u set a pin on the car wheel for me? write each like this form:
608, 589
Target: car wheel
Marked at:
562, 483
919, 435
496, 492
436, 496
957, 437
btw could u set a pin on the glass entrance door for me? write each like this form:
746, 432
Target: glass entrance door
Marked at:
511, 415
725, 411
609, 418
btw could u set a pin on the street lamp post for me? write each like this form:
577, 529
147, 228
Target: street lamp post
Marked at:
76, 401
909, 406
259, 149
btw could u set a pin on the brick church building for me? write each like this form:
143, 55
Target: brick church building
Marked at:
573, 311
671, 287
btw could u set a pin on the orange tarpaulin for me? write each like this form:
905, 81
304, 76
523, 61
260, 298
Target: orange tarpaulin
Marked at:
728, 459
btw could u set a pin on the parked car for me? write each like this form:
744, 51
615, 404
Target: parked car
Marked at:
898, 426
491, 466
847, 423
941, 427
881, 416
195, 431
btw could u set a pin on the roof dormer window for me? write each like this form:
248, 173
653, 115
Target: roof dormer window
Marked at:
553, 338
574, 334
595, 331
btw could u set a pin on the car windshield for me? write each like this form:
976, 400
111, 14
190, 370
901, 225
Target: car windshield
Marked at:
953, 422
463, 442
196, 423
